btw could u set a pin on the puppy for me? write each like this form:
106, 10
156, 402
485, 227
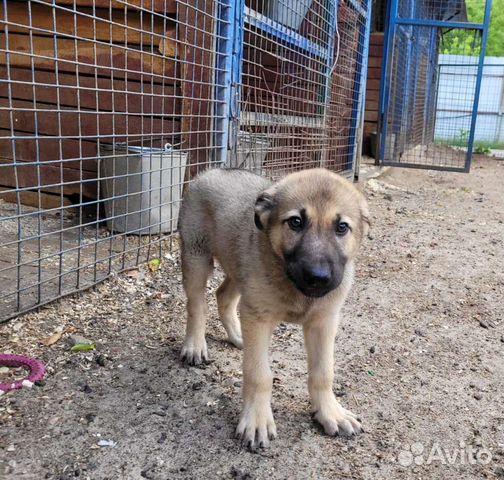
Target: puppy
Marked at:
288, 251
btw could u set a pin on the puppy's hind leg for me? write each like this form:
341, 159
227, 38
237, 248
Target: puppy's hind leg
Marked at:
228, 297
195, 271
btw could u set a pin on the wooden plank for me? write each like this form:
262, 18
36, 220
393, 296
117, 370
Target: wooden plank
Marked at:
28, 177
34, 199
376, 38
371, 105
370, 116
372, 95
375, 62
196, 27
374, 73
104, 25
86, 92
158, 6
376, 51
373, 84
46, 149
102, 60
45, 121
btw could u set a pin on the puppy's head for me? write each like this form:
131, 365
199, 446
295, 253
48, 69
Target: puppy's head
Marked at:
315, 221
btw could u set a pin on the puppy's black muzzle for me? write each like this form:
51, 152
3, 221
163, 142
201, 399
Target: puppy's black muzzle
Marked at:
315, 278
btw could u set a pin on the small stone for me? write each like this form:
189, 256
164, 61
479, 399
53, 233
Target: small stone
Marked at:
420, 332
90, 417
40, 383
106, 443
499, 472
372, 349
162, 438
340, 393
197, 386
388, 197
160, 413
239, 474
478, 396
100, 360
79, 340
486, 324
147, 473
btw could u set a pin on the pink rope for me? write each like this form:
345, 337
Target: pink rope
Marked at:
36, 367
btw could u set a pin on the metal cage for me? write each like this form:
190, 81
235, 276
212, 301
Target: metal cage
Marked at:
414, 94
109, 108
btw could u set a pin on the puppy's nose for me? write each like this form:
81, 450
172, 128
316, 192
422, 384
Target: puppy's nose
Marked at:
317, 275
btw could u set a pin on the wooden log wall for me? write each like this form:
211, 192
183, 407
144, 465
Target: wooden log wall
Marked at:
372, 89
83, 72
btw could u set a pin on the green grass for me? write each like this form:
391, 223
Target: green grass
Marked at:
478, 146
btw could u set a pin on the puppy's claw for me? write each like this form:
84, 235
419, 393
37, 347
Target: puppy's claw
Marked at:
194, 352
256, 428
337, 421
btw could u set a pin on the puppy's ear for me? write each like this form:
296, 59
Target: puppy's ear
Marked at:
264, 205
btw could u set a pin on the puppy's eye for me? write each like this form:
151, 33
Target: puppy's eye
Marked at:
342, 228
295, 223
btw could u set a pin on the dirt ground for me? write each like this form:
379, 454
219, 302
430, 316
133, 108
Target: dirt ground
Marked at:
418, 357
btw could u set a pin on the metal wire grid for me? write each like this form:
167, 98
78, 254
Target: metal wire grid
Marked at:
301, 91
454, 113
90, 94
107, 109
418, 94
433, 10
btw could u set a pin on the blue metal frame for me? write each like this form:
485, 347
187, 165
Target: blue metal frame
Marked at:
388, 43
355, 4
479, 77
237, 68
359, 98
438, 23
226, 31
283, 33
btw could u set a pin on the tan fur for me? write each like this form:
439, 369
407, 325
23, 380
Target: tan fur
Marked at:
217, 222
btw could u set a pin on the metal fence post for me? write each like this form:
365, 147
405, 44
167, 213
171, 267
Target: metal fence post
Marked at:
479, 76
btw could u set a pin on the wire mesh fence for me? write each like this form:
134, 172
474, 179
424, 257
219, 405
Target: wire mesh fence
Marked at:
301, 93
109, 108
454, 112
418, 98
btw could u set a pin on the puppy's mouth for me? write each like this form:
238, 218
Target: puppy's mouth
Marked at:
312, 291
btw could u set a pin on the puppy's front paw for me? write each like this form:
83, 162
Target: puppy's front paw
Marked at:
337, 420
256, 427
194, 351
236, 340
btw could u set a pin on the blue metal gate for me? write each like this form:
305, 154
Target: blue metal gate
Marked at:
418, 31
